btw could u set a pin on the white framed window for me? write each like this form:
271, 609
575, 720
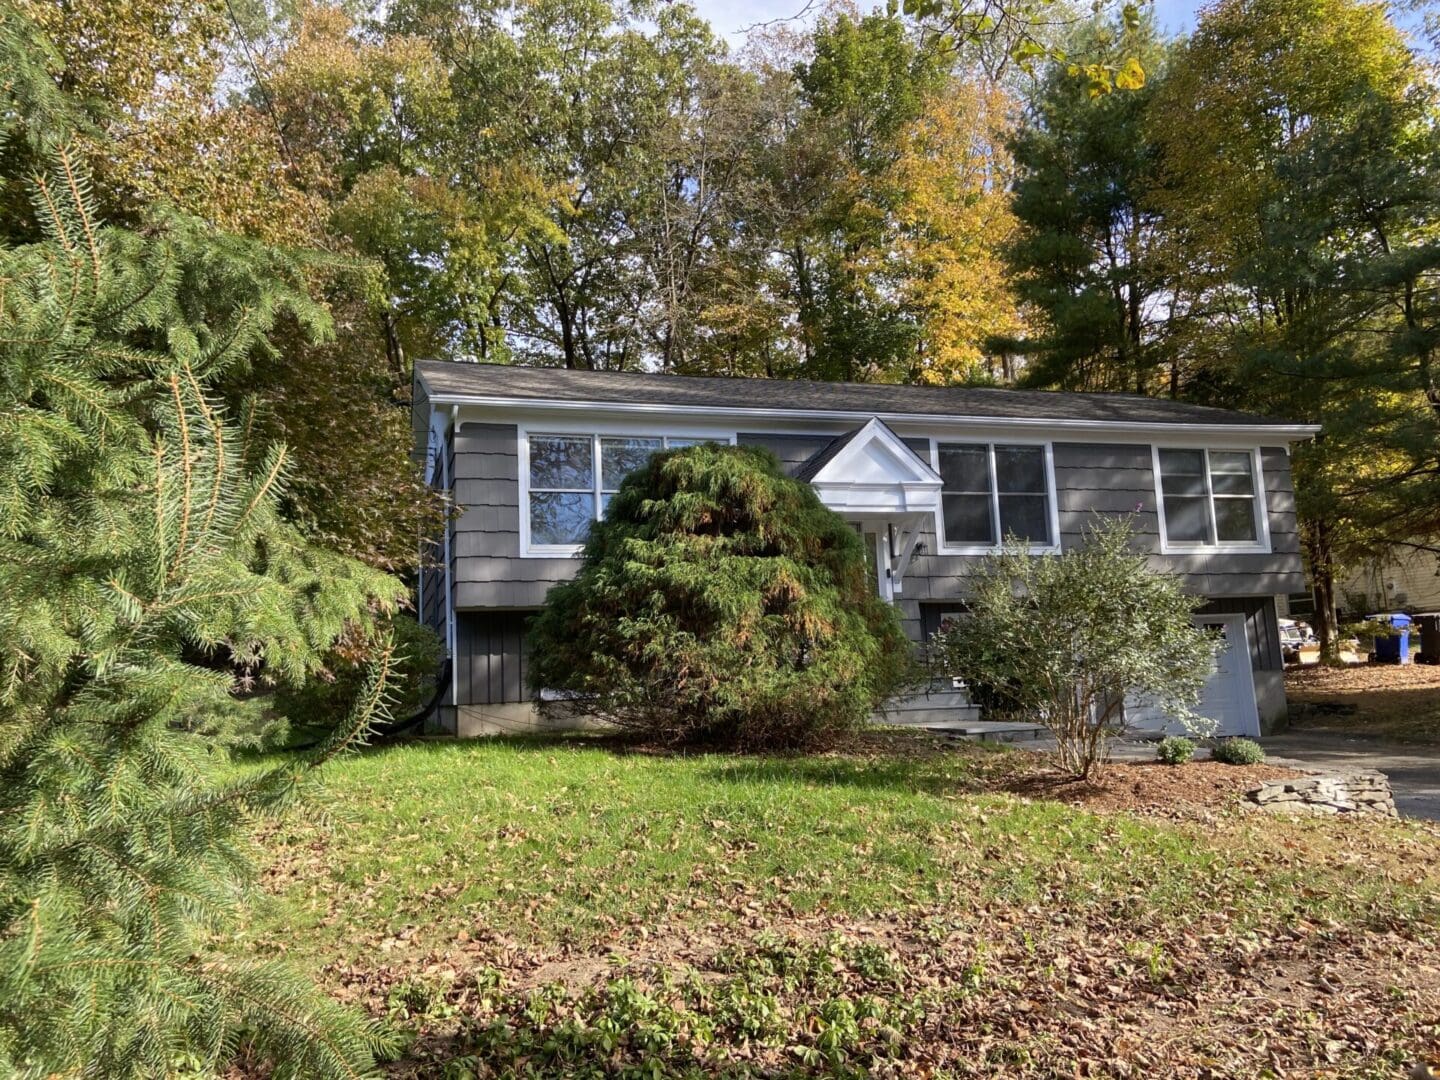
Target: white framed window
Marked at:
568, 478
994, 490
1210, 499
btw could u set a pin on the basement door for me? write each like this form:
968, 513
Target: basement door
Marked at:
1228, 697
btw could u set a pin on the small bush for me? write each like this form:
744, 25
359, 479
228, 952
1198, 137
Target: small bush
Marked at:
1238, 752
1063, 640
1175, 750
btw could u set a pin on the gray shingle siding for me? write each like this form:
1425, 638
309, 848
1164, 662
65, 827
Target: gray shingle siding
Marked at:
1109, 479
792, 450
489, 571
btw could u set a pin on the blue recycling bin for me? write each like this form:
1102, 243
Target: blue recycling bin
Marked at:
1393, 650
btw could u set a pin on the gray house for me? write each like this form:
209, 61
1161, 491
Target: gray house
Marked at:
932, 477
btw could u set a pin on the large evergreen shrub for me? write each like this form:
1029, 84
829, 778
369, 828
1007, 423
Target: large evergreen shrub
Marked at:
720, 601
147, 583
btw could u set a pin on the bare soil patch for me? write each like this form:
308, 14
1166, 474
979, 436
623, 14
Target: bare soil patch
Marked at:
1387, 701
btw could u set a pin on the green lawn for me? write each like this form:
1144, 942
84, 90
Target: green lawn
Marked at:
496, 862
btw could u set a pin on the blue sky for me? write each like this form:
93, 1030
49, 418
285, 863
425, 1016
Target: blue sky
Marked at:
732, 16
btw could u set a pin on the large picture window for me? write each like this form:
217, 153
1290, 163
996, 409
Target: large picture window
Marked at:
572, 477
1209, 498
994, 491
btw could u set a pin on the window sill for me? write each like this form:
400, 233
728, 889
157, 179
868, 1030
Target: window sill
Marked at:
993, 549
1214, 549
568, 552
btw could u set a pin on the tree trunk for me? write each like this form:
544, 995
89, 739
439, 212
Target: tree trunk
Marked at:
1322, 577
394, 350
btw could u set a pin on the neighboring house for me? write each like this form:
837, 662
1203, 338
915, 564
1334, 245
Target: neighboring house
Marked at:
933, 478
1395, 578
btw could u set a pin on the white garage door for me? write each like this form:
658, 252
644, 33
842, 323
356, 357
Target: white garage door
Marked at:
1229, 694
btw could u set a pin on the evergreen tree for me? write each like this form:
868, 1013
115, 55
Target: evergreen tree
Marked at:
1085, 255
147, 582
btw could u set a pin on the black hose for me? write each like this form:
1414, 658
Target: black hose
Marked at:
396, 728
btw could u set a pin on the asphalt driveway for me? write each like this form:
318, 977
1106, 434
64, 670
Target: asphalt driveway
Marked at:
1414, 771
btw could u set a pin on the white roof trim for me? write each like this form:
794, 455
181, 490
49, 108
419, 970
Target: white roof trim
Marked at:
1280, 432
876, 475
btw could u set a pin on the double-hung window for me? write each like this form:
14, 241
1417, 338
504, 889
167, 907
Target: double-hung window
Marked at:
995, 491
619, 457
571, 478
562, 489
1210, 498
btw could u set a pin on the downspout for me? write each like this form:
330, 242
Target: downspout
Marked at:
448, 482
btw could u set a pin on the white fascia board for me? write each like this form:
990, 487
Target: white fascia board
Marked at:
918, 470
1267, 434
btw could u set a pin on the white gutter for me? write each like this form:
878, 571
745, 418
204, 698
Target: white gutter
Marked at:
1288, 432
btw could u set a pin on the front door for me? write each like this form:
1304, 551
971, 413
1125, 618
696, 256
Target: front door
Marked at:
877, 556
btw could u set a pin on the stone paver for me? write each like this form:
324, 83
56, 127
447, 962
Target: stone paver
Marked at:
1414, 771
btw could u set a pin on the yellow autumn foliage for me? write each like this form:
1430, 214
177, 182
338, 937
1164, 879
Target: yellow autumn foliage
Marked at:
954, 218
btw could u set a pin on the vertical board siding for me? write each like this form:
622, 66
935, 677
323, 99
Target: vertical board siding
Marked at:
1262, 628
491, 656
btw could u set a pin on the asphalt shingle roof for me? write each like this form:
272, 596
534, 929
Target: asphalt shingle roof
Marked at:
824, 457
462, 380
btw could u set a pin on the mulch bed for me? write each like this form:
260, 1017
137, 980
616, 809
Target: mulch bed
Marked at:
1150, 787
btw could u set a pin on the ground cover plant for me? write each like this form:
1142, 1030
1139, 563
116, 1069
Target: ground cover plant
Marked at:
721, 602
1175, 750
553, 907
1237, 752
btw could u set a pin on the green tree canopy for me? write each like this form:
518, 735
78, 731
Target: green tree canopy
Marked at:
1085, 255
1299, 145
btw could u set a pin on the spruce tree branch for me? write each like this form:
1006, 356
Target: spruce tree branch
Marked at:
78, 200
183, 418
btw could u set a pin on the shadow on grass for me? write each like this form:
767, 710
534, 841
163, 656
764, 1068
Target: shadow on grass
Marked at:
968, 770
899, 761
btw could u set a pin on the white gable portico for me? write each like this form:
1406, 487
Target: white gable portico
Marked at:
871, 478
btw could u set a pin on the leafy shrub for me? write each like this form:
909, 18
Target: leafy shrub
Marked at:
1069, 637
1175, 750
1238, 752
720, 601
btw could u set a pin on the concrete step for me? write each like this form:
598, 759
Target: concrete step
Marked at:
948, 712
989, 731
934, 707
